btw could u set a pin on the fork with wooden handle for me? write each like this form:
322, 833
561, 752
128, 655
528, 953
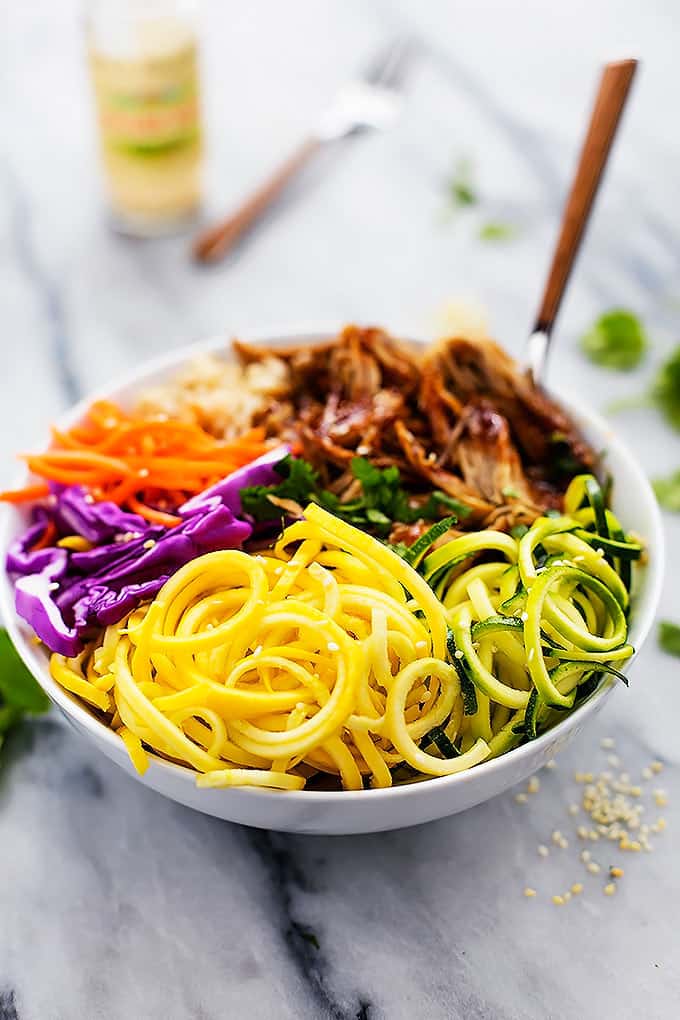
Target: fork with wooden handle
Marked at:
369, 102
609, 103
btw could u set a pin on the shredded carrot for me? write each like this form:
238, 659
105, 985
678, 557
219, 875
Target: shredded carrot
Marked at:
29, 492
152, 515
149, 465
47, 538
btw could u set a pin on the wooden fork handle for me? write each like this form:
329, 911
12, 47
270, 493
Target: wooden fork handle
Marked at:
214, 243
609, 103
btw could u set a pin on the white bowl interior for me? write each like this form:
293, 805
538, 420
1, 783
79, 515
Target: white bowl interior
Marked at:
368, 810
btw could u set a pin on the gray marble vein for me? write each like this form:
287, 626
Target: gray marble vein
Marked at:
115, 903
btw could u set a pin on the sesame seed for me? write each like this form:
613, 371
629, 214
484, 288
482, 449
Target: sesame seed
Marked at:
647, 773
616, 872
149, 544
609, 889
333, 647
534, 785
660, 798
521, 798
593, 867
556, 836
88, 498
573, 809
660, 824
458, 654
566, 896
585, 856
529, 892
577, 888
542, 850
613, 760
558, 901
552, 764
607, 743
524, 617
656, 767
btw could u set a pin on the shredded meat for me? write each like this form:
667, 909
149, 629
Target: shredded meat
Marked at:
463, 419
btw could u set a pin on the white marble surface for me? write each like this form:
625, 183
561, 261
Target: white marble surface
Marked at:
115, 903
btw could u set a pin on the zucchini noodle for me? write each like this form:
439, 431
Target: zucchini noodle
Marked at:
332, 654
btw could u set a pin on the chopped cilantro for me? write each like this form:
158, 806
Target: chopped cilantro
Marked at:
497, 231
616, 340
668, 491
666, 389
460, 186
381, 502
669, 637
664, 393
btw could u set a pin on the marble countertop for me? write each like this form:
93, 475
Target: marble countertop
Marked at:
117, 903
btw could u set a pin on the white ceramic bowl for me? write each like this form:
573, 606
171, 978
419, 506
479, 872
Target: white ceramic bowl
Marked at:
367, 810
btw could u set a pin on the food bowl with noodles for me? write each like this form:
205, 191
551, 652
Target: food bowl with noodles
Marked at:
330, 583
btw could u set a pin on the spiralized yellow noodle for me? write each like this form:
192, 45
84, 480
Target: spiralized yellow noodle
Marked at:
333, 654
259, 670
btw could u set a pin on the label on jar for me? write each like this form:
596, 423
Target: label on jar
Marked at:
150, 106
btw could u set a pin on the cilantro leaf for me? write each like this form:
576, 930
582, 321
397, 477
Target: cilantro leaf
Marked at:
381, 502
460, 186
666, 389
668, 491
438, 500
497, 231
669, 637
299, 483
617, 340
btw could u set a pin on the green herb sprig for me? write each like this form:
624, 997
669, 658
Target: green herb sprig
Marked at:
382, 501
616, 339
20, 694
669, 637
668, 491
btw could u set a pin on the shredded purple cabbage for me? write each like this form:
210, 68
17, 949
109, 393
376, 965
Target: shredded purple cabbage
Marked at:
65, 594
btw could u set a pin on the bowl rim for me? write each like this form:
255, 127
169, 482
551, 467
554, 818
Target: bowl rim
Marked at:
308, 333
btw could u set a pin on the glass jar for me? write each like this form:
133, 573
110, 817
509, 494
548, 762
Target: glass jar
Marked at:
143, 57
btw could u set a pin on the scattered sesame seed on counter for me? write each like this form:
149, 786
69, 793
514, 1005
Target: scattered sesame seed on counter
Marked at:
616, 811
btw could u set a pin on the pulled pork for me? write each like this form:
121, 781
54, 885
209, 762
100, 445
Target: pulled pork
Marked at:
461, 418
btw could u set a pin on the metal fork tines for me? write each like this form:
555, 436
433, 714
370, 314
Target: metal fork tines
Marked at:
372, 100
369, 101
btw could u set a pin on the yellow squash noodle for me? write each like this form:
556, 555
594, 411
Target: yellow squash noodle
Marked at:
327, 654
